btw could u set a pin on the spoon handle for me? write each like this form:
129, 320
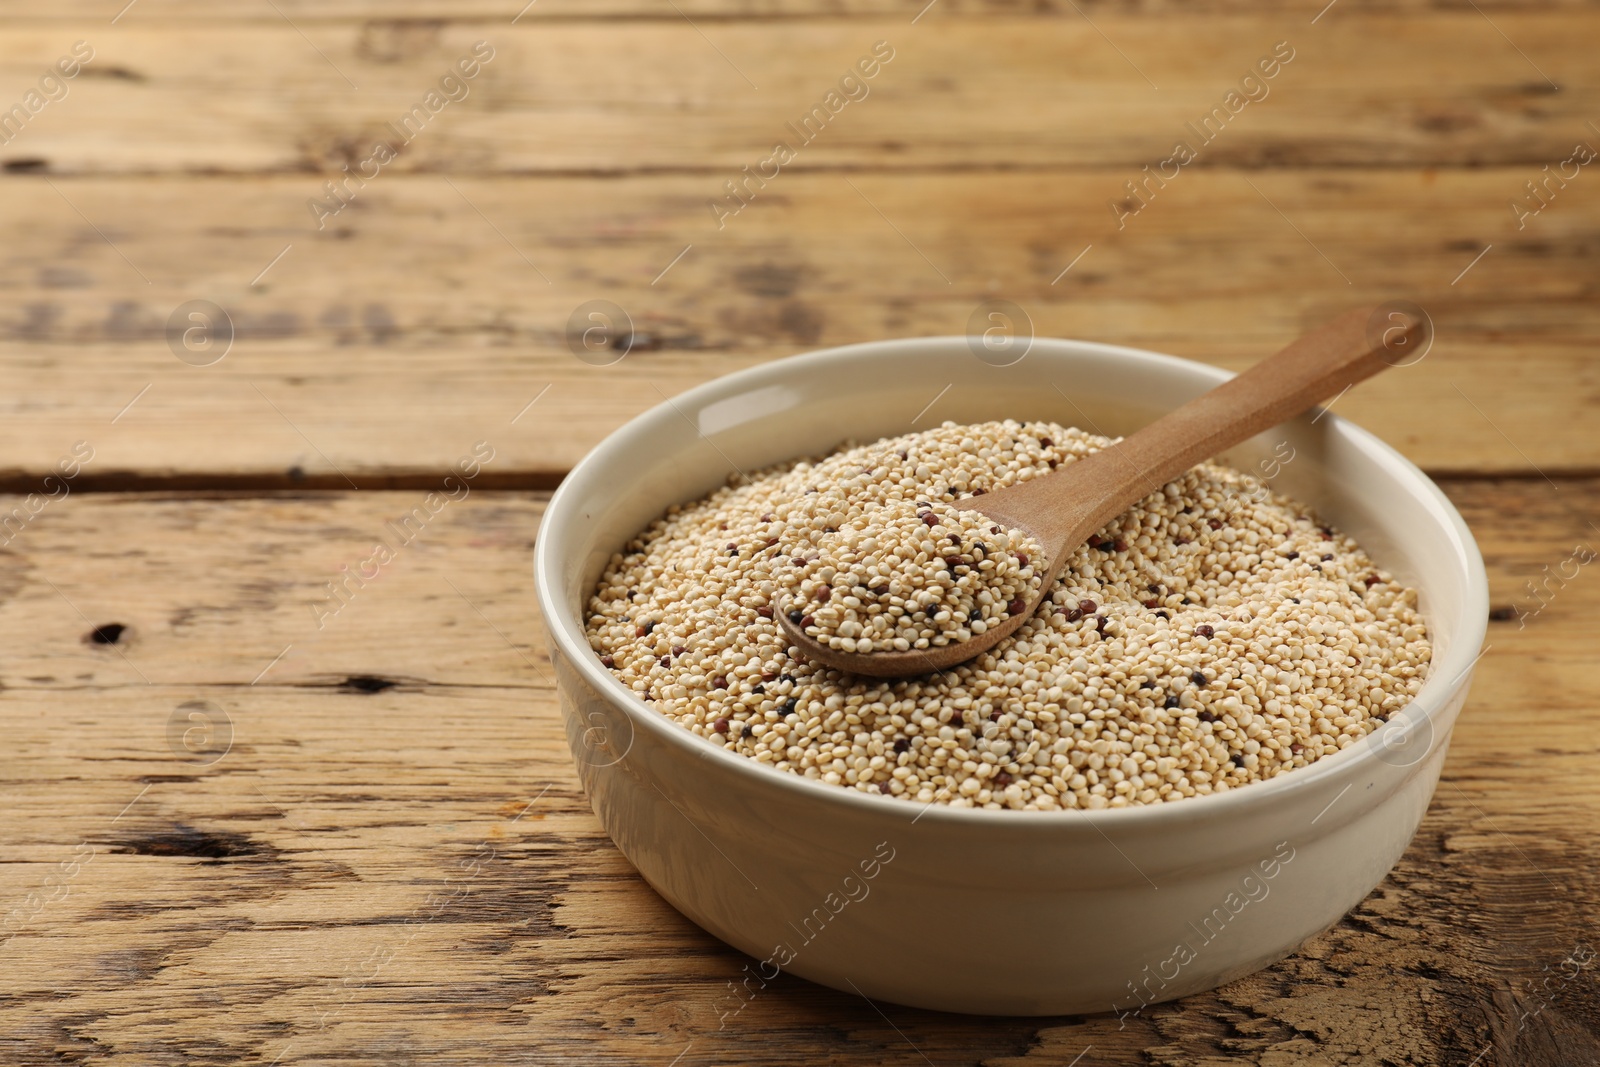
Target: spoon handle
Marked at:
1098, 488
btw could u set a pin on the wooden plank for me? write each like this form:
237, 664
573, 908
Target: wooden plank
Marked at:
1439, 89
311, 894
397, 13
422, 322
224, 590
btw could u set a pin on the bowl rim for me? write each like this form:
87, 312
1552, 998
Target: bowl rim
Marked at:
1447, 677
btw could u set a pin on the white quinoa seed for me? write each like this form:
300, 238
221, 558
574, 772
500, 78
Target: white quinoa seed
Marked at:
1212, 636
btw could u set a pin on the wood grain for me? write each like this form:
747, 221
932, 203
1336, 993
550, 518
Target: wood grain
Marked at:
1359, 89
394, 860
386, 346
397, 15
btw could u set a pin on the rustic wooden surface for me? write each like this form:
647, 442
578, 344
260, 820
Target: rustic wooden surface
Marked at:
390, 860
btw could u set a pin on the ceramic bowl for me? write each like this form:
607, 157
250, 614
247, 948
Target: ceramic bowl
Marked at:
1005, 912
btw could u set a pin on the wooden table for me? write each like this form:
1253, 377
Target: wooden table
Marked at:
239, 827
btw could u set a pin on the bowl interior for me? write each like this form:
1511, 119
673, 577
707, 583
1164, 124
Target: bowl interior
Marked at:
809, 404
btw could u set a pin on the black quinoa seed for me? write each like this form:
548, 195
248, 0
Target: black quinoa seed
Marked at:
1327, 557
1206, 716
796, 616
1293, 555
791, 707
902, 744
1198, 678
1172, 701
1203, 630
1238, 759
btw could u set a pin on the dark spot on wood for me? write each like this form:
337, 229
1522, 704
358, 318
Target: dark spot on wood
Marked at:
768, 279
1447, 122
1503, 613
26, 165
38, 322
106, 634
367, 683
187, 841
297, 473
803, 322
128, 321
119, 73
379, 323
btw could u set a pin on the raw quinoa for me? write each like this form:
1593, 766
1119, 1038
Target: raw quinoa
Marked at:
910, 575
1214, 635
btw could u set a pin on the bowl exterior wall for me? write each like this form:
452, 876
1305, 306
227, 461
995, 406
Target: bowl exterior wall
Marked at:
940, 915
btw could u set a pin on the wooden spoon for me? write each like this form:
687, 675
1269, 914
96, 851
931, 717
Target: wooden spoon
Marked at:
1063, 509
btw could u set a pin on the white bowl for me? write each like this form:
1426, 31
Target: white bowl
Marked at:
1017, 913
